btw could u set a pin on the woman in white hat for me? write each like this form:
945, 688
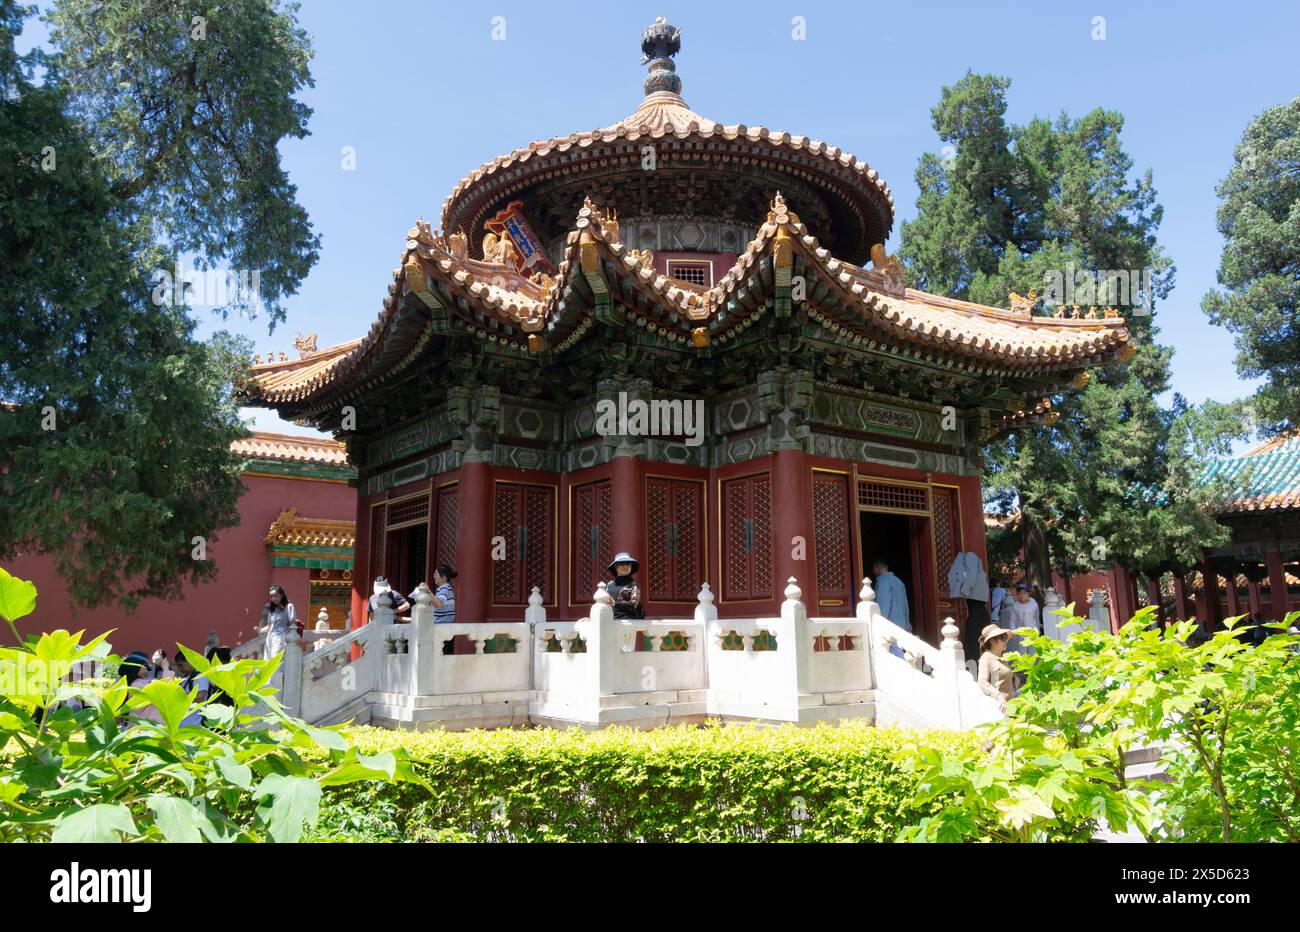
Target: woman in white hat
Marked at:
996, 678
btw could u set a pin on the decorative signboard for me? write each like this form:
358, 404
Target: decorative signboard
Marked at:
530, 255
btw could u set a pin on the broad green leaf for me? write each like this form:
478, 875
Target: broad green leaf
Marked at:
102, 822
180, 820
288, 803
17, 596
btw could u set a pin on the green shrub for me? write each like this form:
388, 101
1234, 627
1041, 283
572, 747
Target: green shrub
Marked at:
715, 783
1226, 715
78, 764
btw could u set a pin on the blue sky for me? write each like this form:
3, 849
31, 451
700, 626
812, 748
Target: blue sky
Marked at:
425, 94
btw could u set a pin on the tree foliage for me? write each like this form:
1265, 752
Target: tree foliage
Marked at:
134, 143
1259, 303
1005, 208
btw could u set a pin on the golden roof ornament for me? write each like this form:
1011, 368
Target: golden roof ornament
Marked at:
610, 225
887, 265
1023, 304
304, 345
458, 244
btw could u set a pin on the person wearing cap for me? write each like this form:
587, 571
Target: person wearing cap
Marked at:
1022, 612
138, 672
382, 590
624, 589
996, 678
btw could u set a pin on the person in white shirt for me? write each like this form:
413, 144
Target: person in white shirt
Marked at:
967, 580
192, 679
1022, 612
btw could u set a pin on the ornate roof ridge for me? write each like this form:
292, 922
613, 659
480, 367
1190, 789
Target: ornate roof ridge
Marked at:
267, 445
294, 529
933, 323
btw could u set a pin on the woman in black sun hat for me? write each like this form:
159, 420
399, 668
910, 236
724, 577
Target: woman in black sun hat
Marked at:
624, 590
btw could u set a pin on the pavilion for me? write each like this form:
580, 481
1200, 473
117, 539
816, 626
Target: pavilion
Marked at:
673, 260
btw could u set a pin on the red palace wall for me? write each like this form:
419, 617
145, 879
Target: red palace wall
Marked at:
621, 505
230, 604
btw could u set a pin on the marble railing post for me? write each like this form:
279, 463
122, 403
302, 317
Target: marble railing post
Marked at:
792, 634
423, 643
952, 664
291, 672
1051, 621
602, 642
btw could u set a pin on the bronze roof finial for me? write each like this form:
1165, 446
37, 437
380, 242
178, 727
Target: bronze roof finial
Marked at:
660, 43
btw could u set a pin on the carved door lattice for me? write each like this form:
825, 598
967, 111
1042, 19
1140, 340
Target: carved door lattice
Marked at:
592, 547
674, 535
747, 544
523, 522
831, 536
890, 497
444, 550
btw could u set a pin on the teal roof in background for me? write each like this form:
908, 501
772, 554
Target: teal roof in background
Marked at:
1266, 478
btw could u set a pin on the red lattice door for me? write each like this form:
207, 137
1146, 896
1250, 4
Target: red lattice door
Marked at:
592, 546
747, 538
675, 538
446, 526
947, 544
831, 547
522, 518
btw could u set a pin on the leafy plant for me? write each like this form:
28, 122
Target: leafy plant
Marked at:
1224, 714
82, 765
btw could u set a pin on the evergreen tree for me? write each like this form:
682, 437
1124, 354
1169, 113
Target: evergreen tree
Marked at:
135, 142
1260, 267
1018, 208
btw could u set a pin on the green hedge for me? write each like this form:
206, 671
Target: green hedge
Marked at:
734, 783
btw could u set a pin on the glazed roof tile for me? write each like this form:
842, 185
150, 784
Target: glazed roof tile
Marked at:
292, 529
665, 115
885, 311
1266, 478
263, 445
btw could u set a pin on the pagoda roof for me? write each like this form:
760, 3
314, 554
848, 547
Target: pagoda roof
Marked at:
865, 308
1266, 478
289, 448
664, 116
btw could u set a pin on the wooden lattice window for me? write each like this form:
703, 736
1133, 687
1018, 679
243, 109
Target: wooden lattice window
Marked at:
522, 516
408, 511
891, 497
448, 514
592, 547
831, 530
947, 535
693, 271
747, 538
675, 537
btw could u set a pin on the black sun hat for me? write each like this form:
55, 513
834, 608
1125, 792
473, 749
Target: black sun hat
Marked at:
623, 557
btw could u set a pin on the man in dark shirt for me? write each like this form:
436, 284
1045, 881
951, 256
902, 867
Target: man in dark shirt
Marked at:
386, 592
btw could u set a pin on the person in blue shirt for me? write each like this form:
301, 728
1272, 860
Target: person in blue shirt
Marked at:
891, 597
444, 599
996, 598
